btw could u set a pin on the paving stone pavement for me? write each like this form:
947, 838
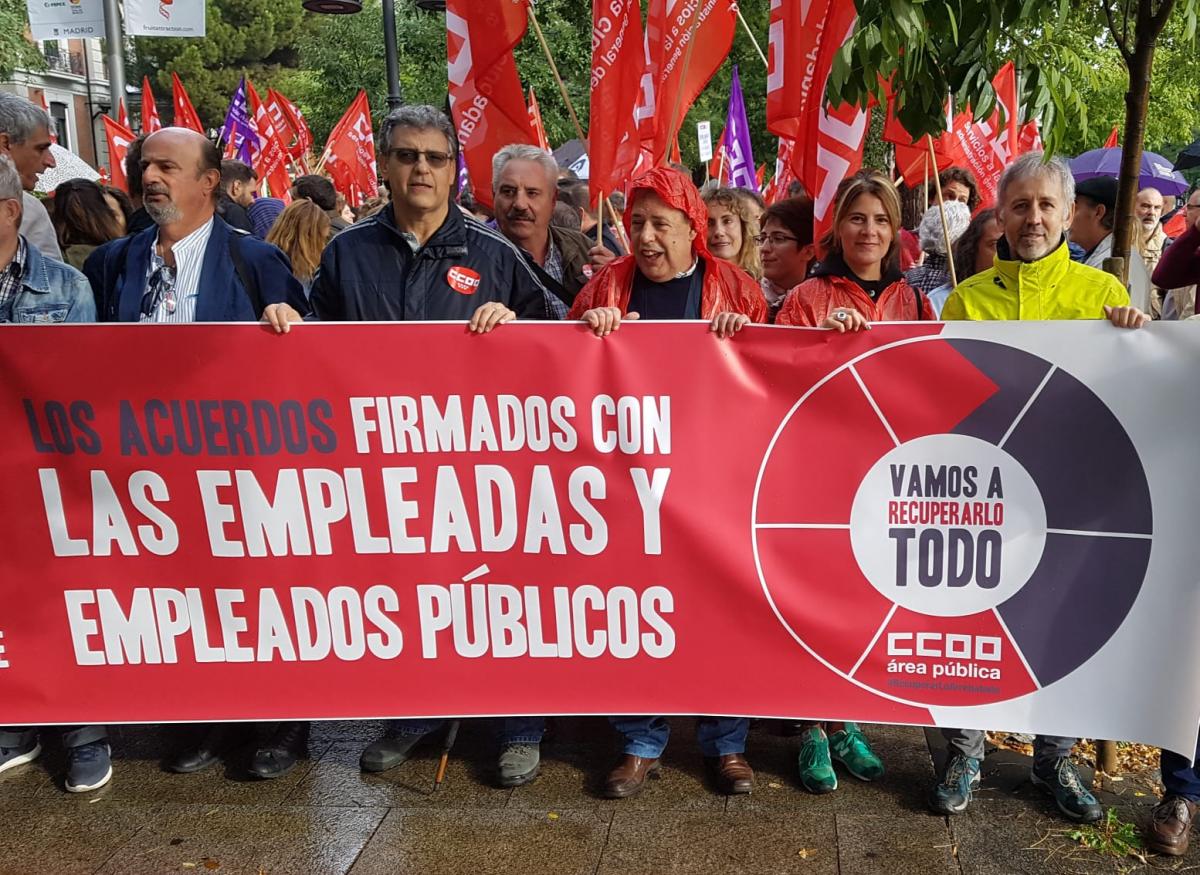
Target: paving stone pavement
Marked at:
327, 817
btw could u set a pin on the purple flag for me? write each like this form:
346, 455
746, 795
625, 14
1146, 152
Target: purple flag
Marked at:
239, 133
464, 179
739, 161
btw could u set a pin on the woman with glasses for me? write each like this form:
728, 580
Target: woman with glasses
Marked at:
785, 248
859, 280
731, 230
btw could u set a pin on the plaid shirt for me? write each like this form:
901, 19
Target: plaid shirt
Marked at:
11, 281
554, 262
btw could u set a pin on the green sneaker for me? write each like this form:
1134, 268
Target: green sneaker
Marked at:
816, 768
851, 749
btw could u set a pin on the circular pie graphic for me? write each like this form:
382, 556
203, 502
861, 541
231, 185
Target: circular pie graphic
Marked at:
951, 522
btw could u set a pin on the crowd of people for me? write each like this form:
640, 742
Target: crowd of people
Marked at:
192, 243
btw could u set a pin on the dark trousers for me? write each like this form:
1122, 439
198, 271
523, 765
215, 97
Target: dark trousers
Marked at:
1179, 777
72, 736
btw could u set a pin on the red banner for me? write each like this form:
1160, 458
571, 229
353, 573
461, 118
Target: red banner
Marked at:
349, 155
588, 530
185, 113
535, 122
150, 120
271, 158
618, 65
486, 98
289, 124
670, 28
986, 147
118, 138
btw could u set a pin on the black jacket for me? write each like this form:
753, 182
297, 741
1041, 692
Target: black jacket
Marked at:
370, 273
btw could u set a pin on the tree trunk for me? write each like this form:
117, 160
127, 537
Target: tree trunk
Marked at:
1136, 101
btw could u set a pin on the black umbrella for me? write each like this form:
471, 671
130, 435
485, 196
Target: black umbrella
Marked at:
1189, 157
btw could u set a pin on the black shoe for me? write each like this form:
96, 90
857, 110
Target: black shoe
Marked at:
279, 755
218, 739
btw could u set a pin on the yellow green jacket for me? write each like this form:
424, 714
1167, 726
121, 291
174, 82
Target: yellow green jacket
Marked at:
1053, 287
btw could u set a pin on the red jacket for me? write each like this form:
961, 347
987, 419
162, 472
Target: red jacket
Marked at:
811, 302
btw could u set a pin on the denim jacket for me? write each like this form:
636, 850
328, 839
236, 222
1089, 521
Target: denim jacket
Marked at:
52, 292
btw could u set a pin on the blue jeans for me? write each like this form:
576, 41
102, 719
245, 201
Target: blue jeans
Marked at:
509, 730
1179, 777
646, 737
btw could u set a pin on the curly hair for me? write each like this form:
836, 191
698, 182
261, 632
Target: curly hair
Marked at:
731, 199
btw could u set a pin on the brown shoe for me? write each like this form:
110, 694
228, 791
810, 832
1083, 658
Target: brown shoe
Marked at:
732, 773
630, 775
1170, 826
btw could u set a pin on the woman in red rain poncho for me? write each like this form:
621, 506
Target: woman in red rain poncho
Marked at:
859, 279
669, 274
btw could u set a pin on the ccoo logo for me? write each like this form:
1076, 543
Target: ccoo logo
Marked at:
463, 280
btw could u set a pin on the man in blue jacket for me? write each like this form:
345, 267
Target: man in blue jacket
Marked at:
421, 258
192, 267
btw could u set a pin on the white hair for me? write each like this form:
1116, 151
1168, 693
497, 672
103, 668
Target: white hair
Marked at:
21, 118
10, 180
1035, 164
524, 152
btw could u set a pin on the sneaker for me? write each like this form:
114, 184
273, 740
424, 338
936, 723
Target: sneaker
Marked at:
518, 764
816, 768
851, 748
389, 752
1070, 795
11, 757
952, 794
89, 766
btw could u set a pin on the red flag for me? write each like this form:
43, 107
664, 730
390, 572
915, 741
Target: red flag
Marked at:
270, 161
783, 178
185, 113
760, 175
986, 147
841, 132
122, 115
716, 167
349, 154
535, 122
618, 65
290, 124
668, 27
150, 121
46, 108
119, 137
1030, 138
912, 155
1112, 141
486, 98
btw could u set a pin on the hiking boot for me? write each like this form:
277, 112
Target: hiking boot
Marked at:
851, 748
1170, 826
952, 794
286, 747
389, 752
89, 766
26, 751
816, 767
1073, 799
518, 764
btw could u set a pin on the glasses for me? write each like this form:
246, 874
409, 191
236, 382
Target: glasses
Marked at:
436, 160
160, 290
774, 239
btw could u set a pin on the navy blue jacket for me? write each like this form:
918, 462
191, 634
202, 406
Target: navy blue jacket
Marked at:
370, 273
118, 272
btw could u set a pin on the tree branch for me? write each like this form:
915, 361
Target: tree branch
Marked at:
1112, 29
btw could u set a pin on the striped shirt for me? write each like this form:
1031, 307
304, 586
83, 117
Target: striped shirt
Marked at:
189, 260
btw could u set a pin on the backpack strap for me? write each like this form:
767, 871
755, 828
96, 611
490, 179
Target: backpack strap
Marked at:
245, 275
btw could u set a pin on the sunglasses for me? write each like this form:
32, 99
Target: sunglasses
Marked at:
436, 160
160, 291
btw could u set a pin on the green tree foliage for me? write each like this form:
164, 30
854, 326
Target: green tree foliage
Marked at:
255, 38
15, 48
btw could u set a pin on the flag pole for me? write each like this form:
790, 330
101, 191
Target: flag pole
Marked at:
562, 88
942, 209
672, 129
750, 34
600, 220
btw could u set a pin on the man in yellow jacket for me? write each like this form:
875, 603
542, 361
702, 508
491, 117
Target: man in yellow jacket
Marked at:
1032, 278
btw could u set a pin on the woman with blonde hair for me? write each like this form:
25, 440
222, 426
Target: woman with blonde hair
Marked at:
732, 229
301, 231
858, 280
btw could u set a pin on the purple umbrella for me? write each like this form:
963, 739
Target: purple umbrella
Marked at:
1156, 171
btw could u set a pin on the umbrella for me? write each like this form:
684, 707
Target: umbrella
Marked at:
67, 165
1156, 171
1189, 157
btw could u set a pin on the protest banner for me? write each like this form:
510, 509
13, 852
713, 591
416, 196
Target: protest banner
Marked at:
964, 524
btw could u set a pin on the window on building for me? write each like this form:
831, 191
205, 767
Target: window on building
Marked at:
58, 112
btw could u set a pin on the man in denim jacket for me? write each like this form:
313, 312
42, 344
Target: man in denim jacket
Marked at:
38, 290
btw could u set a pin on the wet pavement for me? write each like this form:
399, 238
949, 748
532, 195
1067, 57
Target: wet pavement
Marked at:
327, 817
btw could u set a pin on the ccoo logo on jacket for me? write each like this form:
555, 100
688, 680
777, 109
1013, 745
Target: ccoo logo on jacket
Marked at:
463, 280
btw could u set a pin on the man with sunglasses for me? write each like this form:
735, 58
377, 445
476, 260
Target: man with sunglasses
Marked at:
37, 290
420, 258
190, 266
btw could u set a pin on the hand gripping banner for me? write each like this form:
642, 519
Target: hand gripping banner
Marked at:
972, 525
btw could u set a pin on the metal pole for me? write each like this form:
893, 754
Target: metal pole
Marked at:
115, 44
395, 99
